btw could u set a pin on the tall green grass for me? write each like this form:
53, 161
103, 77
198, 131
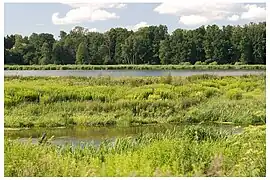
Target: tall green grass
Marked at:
102, 101
133, 67
194, 152
125, 101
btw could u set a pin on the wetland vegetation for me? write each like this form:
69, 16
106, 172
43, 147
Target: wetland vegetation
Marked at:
128, 101
102, 101
134, 67
81, 102
195, 151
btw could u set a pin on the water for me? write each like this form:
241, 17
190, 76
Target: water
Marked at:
118, 73
95, 135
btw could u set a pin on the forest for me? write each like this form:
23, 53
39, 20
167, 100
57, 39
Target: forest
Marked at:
149, 45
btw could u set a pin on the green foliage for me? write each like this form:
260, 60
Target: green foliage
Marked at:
167, 79
186, 63
199, 63
87, 101
82, 54
149, 45
45, 54
126, 101
194, 152
165, 53
213, 63
235, 94
133, 67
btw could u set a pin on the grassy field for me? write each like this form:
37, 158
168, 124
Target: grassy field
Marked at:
103, 101
133, 67
193, 152
126, 101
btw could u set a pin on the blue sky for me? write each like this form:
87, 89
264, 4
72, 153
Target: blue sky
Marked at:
26, 18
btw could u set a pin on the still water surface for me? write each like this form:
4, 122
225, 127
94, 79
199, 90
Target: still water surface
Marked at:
76, 135
118, 73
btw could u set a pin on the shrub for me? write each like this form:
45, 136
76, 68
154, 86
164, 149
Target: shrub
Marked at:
236, 94
198, 63
167, 79
213, 63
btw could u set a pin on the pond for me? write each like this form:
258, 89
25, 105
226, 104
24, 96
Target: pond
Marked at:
118, 73
95, 135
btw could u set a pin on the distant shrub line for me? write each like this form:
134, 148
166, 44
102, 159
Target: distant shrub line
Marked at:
132, 67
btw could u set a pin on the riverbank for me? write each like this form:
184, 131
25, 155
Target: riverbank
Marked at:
132, 67
107, 101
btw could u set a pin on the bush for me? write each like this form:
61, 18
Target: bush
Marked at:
213, 63
183, 65
167, 79
198, 63
236, 94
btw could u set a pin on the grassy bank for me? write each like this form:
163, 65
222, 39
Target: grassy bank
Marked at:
133, 67
193, 152
103, 101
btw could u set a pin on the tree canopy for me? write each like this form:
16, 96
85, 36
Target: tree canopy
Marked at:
149, 45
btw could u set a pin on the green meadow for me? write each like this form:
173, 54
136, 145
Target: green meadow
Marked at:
32, 102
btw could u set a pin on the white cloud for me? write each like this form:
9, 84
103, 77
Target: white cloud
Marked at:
119, 6
254, 13
193, 20
99, 15
97, 5
137, 26
194, 12
93, 30
83, 12
233, 18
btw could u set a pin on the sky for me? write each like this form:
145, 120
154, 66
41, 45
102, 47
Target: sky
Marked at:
26, 18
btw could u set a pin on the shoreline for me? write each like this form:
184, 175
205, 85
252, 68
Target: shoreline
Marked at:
135, 67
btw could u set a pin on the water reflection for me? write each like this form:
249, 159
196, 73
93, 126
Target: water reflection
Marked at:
95, 135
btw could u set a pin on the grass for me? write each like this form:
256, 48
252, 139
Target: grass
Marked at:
133, 67
196, 151
125, 101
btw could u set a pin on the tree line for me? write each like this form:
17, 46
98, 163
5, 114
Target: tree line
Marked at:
149, 45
